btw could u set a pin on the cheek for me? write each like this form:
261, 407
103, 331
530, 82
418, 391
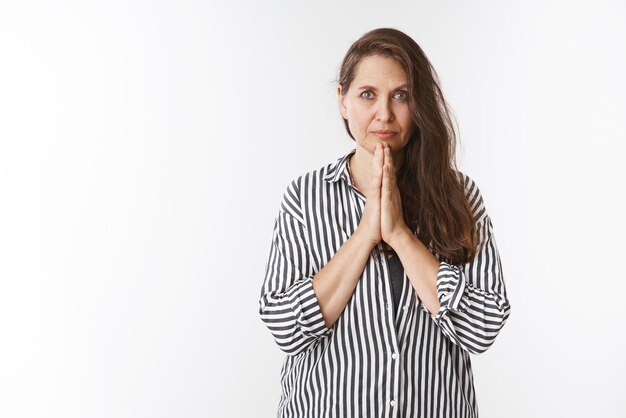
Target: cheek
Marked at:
358, 119
405, 117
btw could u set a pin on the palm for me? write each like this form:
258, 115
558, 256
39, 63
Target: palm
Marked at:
382, 215
391, 219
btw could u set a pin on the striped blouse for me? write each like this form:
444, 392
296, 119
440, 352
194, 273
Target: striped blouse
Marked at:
374, 361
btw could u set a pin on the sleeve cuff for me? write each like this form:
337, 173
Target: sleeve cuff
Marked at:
450, 288
306, 309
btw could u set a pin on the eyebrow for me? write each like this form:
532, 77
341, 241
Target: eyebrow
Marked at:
367, 87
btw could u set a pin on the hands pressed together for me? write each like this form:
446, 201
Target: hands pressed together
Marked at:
382, 216
382, 219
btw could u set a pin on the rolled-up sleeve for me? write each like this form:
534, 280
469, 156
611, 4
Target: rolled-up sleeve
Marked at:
473, 300
288, 305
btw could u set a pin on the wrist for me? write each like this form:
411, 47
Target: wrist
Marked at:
401, 238
363, 237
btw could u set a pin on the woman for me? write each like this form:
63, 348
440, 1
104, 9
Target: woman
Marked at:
383, 274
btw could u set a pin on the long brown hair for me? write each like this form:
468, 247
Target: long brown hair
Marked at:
434, 202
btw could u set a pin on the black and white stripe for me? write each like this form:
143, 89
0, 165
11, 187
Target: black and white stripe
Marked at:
374, 362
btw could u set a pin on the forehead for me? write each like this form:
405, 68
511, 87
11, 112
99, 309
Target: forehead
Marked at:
379, 69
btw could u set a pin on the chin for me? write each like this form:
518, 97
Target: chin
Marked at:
392, 142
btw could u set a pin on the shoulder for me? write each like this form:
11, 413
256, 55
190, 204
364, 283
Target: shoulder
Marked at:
474, 196
300, 188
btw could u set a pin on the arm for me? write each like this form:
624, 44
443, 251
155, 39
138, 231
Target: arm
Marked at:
335, 283
297, 305
288, 305
474, 304
467, 302
420, 266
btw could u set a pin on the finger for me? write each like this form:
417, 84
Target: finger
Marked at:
378, 159
383, 147
377, 169
387, 183
389, 158
392, 168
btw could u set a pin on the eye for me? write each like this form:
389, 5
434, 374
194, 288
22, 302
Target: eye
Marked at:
401, 95
367, 94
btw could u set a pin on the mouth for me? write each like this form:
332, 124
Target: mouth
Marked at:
384, 133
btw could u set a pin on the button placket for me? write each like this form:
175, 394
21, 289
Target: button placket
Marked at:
390, 320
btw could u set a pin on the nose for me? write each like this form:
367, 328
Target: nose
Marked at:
384, 112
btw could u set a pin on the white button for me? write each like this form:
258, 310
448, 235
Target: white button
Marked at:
392, 403
394, 356
405, 307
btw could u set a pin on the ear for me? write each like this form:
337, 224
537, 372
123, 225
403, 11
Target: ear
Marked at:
342, 106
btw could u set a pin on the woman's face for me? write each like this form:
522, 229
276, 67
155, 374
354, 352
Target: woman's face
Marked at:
376, 104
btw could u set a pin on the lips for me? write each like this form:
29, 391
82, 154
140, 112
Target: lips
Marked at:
384, 134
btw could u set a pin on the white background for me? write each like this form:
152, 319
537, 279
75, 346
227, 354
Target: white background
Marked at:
145, 146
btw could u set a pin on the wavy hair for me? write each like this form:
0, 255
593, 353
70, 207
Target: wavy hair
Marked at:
434, 203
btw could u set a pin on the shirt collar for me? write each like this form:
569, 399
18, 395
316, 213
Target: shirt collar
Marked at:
339, 169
